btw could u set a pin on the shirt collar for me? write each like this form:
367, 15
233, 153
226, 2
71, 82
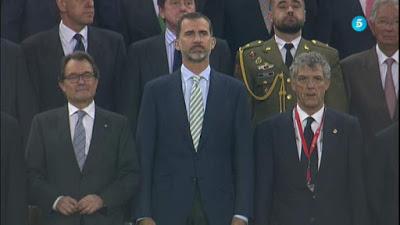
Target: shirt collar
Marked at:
281, 43
169, 36
68, 34
88, 109
187, 74
382, 57
316, 116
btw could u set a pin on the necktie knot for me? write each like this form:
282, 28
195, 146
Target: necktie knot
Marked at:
310, 120
288, 46
196, 80
389, 62
80, 114
79, 44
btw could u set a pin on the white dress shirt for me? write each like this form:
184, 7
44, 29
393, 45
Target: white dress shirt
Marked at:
383, 68
314, 126
281, 45
68, 41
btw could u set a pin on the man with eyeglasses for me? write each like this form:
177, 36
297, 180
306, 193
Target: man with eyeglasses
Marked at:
263, 66
81, 160
308, 160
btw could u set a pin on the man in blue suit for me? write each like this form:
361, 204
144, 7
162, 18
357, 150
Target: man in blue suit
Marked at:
194, 139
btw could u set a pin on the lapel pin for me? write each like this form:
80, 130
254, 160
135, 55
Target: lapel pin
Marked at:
334, 131
306, 47
258, 60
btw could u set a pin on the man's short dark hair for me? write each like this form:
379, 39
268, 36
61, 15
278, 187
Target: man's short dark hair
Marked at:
78, 56
193, 16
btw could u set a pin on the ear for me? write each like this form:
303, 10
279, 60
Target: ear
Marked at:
327, 84
161, 12
213, 42
371, 25
61, 85
62, 5
177, 46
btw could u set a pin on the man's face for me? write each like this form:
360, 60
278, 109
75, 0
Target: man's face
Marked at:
310, 86
385, 27
195, 41
76, 13
79, 91
173, 10
288, 16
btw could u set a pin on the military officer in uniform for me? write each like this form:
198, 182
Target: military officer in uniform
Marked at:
264, 65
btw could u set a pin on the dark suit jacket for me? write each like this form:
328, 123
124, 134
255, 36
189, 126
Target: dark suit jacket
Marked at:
281, 195
17, 94
334, 27
222, 166
383, 177
44, 52
365, 92
139, 20
110, 170
147, 60
14, 206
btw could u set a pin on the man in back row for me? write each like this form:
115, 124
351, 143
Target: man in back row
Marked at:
264, 66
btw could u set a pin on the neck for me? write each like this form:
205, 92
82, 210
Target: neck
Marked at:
310, 111
196, 68
287, 37
388, 50
80, 105
75, 27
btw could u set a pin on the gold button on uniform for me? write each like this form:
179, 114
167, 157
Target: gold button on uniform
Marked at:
288, 80
289, 97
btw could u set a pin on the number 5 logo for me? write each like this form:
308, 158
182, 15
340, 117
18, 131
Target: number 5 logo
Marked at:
359, 23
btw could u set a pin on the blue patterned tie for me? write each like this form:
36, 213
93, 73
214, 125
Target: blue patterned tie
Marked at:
79, 44
79, 140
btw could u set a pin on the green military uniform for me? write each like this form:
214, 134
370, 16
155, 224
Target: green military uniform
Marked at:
260, 66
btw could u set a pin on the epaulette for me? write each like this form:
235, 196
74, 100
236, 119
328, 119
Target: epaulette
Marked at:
252, 44
322, 45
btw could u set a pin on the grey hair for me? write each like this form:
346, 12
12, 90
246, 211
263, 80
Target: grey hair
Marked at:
377, 4
312, 60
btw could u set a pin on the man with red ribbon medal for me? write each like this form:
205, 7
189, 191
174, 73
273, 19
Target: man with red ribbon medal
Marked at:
308, 160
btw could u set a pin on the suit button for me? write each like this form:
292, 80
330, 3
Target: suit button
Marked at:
288, 80
314, 196
289, 97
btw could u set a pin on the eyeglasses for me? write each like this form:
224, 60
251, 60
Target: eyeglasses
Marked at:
316, 80
76, 77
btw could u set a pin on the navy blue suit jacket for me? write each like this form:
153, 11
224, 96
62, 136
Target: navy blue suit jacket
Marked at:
281, 194
44, 52
222, 166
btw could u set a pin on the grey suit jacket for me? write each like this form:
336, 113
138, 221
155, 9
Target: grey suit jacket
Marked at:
110, 170
365, 92
44, 52
147, 60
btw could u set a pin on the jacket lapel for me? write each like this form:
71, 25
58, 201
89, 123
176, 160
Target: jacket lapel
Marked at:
101, 126
64, 129
157, 57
